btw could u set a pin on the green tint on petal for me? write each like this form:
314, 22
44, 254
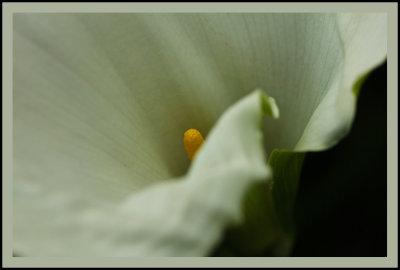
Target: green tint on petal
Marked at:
364, 38
269, 106
286, 167
357, 86
259, 233
269, 227
181, 218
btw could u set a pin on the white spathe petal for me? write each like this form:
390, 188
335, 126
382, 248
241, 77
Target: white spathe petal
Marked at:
364, 42
141, 80
101, 101
182, 218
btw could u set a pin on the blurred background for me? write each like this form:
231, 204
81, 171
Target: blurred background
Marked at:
341, 207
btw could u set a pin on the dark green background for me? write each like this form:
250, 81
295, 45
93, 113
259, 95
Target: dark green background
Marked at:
341, 207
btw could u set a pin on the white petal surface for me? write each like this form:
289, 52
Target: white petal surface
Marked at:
184, 218
101, 100
364, 45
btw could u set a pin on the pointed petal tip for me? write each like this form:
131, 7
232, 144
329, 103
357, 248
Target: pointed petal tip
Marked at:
269, 105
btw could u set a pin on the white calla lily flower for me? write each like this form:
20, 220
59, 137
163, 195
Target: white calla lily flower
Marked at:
101, 103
